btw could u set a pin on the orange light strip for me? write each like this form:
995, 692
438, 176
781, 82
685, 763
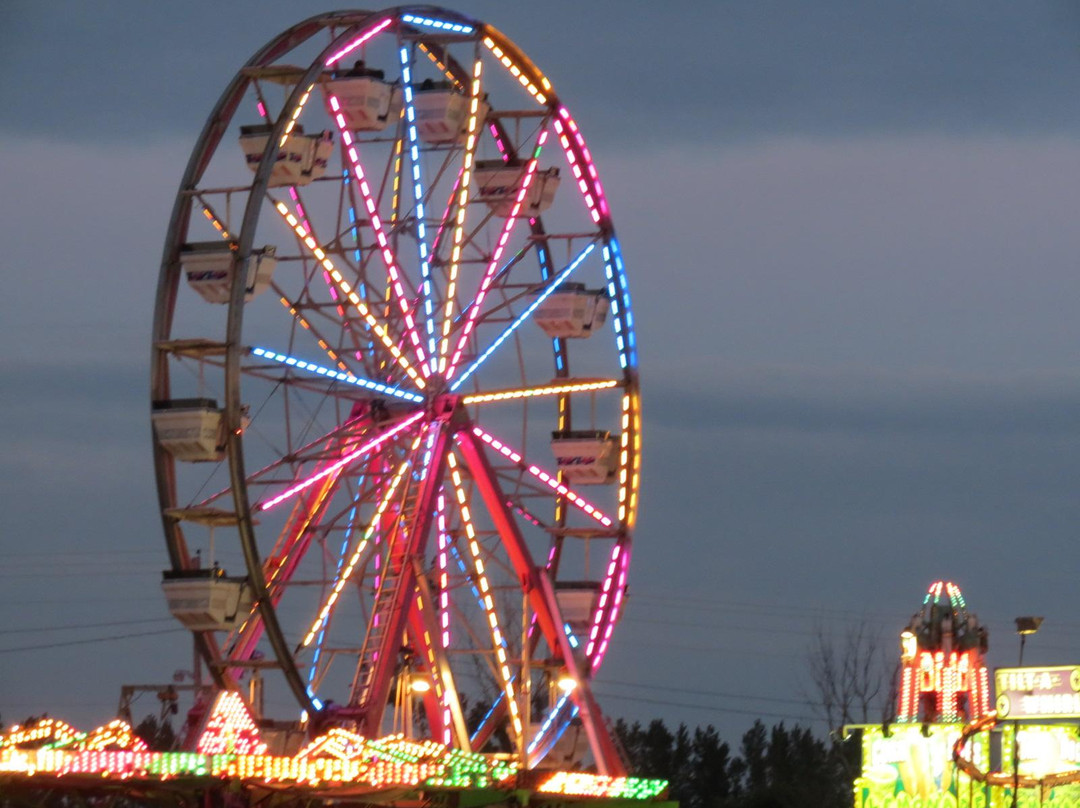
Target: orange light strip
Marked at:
462, 204
347, 571
347, 290
517, 73
486, 598
545, 390
322, 343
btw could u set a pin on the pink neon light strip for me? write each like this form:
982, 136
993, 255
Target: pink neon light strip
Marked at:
544, 477
347, 572
605, 593
380, 235
487, 600
500, 247
613, 615
344, 461
594, 199
360, 40
444, 576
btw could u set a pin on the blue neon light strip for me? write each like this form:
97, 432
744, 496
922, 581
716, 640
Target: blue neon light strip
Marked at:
340, 564
551, 287
418, 196
339, 376
552, 716
441, 25
624, 338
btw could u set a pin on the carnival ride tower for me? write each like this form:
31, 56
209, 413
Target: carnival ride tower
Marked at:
943, 675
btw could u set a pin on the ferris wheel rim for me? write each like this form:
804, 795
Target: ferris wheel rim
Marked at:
235, 351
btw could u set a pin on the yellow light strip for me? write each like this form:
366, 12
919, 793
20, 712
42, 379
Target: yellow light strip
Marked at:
463, 202
347, 571
346, 290
546, 390
295, 115
629, 475
517, 73
487, 600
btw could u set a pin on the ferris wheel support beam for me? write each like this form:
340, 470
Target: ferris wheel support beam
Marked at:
372, 701
422, 617
541, 595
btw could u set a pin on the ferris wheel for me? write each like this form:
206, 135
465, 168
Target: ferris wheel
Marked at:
395, 389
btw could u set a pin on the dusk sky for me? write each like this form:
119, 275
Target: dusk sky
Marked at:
849, 232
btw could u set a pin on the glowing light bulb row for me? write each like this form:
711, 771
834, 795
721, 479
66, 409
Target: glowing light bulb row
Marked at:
389, 259
348, 378
356, 43
543, 476
297, 110
613, 615
496, 256
444, 574
629, 462
442, 696
438, 25
518, 73
346, 573
230, 729
569, 138
601, 605
471, 141
487, 600
525, 315
344, 461
545, 390
347, 290
209, 214
418, 197
580, 784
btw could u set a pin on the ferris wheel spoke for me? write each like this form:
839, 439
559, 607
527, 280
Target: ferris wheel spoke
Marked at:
346, 572
464, 187
348, 292
350, 149
348, 458
550, 288
292, 545
514, 394
486, 596
336, 376
529, 173
548, 479
427, 287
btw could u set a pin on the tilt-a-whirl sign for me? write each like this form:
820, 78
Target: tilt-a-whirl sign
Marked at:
1032, 693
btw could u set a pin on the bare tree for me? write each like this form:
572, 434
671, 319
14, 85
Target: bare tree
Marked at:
848, 674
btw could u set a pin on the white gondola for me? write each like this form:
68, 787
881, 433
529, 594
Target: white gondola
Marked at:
190, 429
498, 184
208, 267
366, 101
577, 603
442, 112
572, 311
206, 600
300, 159
585, 456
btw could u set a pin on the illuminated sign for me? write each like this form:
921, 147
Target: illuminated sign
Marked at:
1038, 692
912, 765
1044, 750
